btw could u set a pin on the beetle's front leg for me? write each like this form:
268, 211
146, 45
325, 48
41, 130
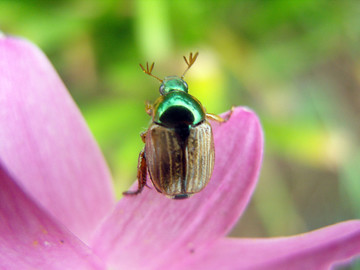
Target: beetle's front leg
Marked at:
141, 174
218, 118
148, 108
143, 136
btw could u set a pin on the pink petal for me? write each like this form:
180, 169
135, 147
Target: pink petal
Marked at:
315, 250
30, 239
149, 230
45, 142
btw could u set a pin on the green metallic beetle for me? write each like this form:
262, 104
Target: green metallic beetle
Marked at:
179, 145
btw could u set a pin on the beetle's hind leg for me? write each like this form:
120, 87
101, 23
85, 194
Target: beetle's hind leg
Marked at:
217, 118
141, 174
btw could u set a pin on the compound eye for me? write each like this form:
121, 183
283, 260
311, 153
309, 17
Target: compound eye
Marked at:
162, 89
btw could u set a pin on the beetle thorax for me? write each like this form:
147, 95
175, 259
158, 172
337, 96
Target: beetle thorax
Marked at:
178, 109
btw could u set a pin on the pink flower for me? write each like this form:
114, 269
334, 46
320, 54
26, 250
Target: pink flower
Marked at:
57, 206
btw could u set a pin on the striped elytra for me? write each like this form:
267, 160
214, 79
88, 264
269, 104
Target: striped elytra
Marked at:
180, 164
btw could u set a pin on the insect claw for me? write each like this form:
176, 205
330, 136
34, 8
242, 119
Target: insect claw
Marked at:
146, 185
131, 193
152, 66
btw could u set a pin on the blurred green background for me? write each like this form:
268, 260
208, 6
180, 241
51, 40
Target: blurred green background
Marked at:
295, 63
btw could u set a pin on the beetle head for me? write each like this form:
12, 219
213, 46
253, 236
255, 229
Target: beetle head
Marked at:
173, 83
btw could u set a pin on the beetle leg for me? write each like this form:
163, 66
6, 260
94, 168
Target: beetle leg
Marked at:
217, 118
148, 108
141, 175
143, 136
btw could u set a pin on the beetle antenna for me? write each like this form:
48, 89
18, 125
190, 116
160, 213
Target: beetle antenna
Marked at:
149, 70
190, 62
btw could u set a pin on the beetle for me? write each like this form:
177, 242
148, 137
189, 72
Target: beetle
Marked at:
179, 145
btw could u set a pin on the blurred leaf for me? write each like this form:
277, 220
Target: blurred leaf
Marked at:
152, 28
350, 183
